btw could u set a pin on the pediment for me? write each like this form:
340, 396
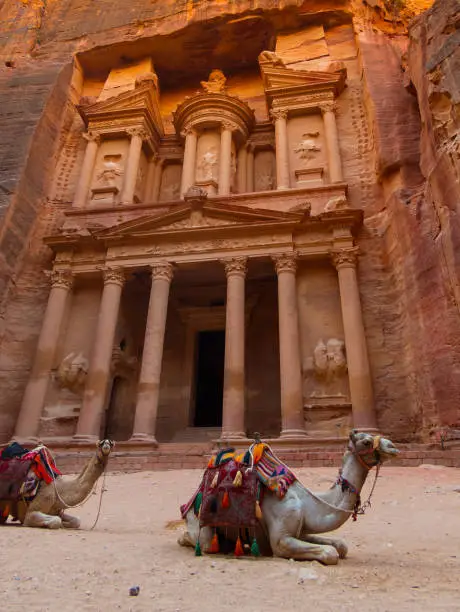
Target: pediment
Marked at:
277, 79
143, 97
190, 218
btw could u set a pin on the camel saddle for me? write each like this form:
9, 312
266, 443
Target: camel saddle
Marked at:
13, 473
229, 495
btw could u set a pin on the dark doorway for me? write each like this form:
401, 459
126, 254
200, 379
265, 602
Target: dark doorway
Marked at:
209, 387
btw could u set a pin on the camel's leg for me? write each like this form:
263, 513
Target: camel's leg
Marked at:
337, 543
40, 519
292, 548
190, 537
69, 521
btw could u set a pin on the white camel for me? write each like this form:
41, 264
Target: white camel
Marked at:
293, 522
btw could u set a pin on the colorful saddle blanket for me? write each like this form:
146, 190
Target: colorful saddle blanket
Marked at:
232, 487
22, 472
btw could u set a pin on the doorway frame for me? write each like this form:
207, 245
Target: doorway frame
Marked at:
197, 319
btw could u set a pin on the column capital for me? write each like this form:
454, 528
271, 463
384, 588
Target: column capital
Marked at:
278, 113
345, 258
137, 131
227, 126
92, 137
190, 129
328, 107
62, 278
162, 270
235, 266
115, 276
285, 262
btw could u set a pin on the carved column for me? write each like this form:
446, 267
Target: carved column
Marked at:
362, 400
332, 142
242, 169
234, 404
157, 180
250, 169
188, 167
30, 412
138, 135
282, 149
225, 159
290, 361
87, 169
94, 397
149, 382
149, 181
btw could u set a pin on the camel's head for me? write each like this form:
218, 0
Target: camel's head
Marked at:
104, 448
371, 449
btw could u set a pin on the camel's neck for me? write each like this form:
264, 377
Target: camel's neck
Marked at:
75, 491
340, 495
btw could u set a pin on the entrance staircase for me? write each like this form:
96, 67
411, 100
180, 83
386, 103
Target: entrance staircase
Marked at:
192, 435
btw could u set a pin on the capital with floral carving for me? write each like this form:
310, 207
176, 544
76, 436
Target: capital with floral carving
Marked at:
137, 131
162, 270
328, 107
235, 266
345, 258
114, 276
92, 137
285, 262
226, 126
190, 129
62, 279
278, 113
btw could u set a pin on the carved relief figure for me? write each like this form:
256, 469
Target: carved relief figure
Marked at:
307, 148
111, 173
215, 83
270, 57
72, 371
207, 166
329, 359
337, 203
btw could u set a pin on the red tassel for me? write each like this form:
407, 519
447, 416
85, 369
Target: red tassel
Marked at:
239, 552
214, 548
226, 500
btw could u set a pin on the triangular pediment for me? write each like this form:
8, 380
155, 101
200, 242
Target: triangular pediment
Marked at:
285, 78
190, 218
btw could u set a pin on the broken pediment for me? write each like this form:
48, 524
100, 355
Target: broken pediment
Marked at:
192, 217
142, 102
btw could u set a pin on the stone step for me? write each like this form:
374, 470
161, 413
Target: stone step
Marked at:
197, 434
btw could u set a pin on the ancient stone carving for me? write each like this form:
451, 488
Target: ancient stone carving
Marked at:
270, 57
307, 147
162, 270
72, 371
264, 181
278, 113
148, 77
114, 275
328, 107
195, 193
287, 262
207, 166
215, 83
137, 132
235, 265
121, 362
337, 203
62, 278
92, 137
111, 173
329, 359
345, 257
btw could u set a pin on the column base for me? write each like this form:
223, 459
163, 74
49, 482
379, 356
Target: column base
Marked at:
32, 441
230, 437
289, 434
369, 430
85, 439
142, 438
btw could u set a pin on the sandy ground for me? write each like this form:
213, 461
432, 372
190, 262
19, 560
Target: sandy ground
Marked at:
404, 554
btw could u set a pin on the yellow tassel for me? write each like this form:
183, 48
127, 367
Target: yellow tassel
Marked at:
238, 481
258, 511
215, 481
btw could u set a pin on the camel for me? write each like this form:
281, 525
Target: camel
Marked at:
292, 523
47, 509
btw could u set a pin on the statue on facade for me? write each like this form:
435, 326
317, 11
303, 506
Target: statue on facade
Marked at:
207, 166
111, 172
307, 148
215, 83
72, 371
329, 359
270, 57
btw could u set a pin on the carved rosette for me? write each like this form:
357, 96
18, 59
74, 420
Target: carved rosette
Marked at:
62, 279
235, 266
92, 137
278, 113
114, 276
345, 258
162, 270
287, 262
